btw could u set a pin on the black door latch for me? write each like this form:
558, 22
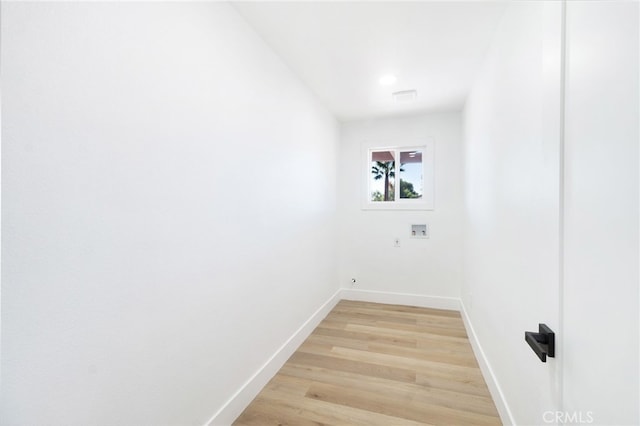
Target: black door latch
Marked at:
543, 342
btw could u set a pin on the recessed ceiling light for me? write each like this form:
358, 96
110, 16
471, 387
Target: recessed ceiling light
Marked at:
387, 80
405, 95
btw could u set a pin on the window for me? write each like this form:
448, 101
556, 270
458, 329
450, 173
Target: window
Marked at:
399, 177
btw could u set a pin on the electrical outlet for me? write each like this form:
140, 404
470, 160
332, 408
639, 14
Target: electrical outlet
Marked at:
396, 242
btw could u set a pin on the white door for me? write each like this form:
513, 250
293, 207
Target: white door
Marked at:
600, 309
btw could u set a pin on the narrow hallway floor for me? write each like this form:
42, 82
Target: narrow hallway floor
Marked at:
376, 364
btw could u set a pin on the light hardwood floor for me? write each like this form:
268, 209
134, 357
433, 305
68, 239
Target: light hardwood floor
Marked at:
375, 364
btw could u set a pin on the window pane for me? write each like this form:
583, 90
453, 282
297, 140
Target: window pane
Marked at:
411, 174
383, 174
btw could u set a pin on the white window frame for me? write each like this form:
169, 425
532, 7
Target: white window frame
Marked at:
426, 202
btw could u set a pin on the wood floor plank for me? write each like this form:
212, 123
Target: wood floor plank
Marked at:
341, 320
278, 409
398, 308
432, 353
407, 362
366, 336
396, 316
408, 407
358, 366
356, 383
392, 332
377, 364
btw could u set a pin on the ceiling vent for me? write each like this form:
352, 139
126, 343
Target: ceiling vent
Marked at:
405, 95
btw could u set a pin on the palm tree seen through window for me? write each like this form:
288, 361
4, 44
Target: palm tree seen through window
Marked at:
383, 173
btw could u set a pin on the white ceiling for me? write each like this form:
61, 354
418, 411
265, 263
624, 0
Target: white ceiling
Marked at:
341, 49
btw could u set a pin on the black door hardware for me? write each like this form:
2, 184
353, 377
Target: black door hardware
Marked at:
543, 342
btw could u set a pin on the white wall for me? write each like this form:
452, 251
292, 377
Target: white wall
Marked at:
511, 149
168, 210
601, 331
431, 267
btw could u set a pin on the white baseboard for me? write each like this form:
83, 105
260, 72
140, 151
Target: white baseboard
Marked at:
435, 302
487, 372
241, 399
